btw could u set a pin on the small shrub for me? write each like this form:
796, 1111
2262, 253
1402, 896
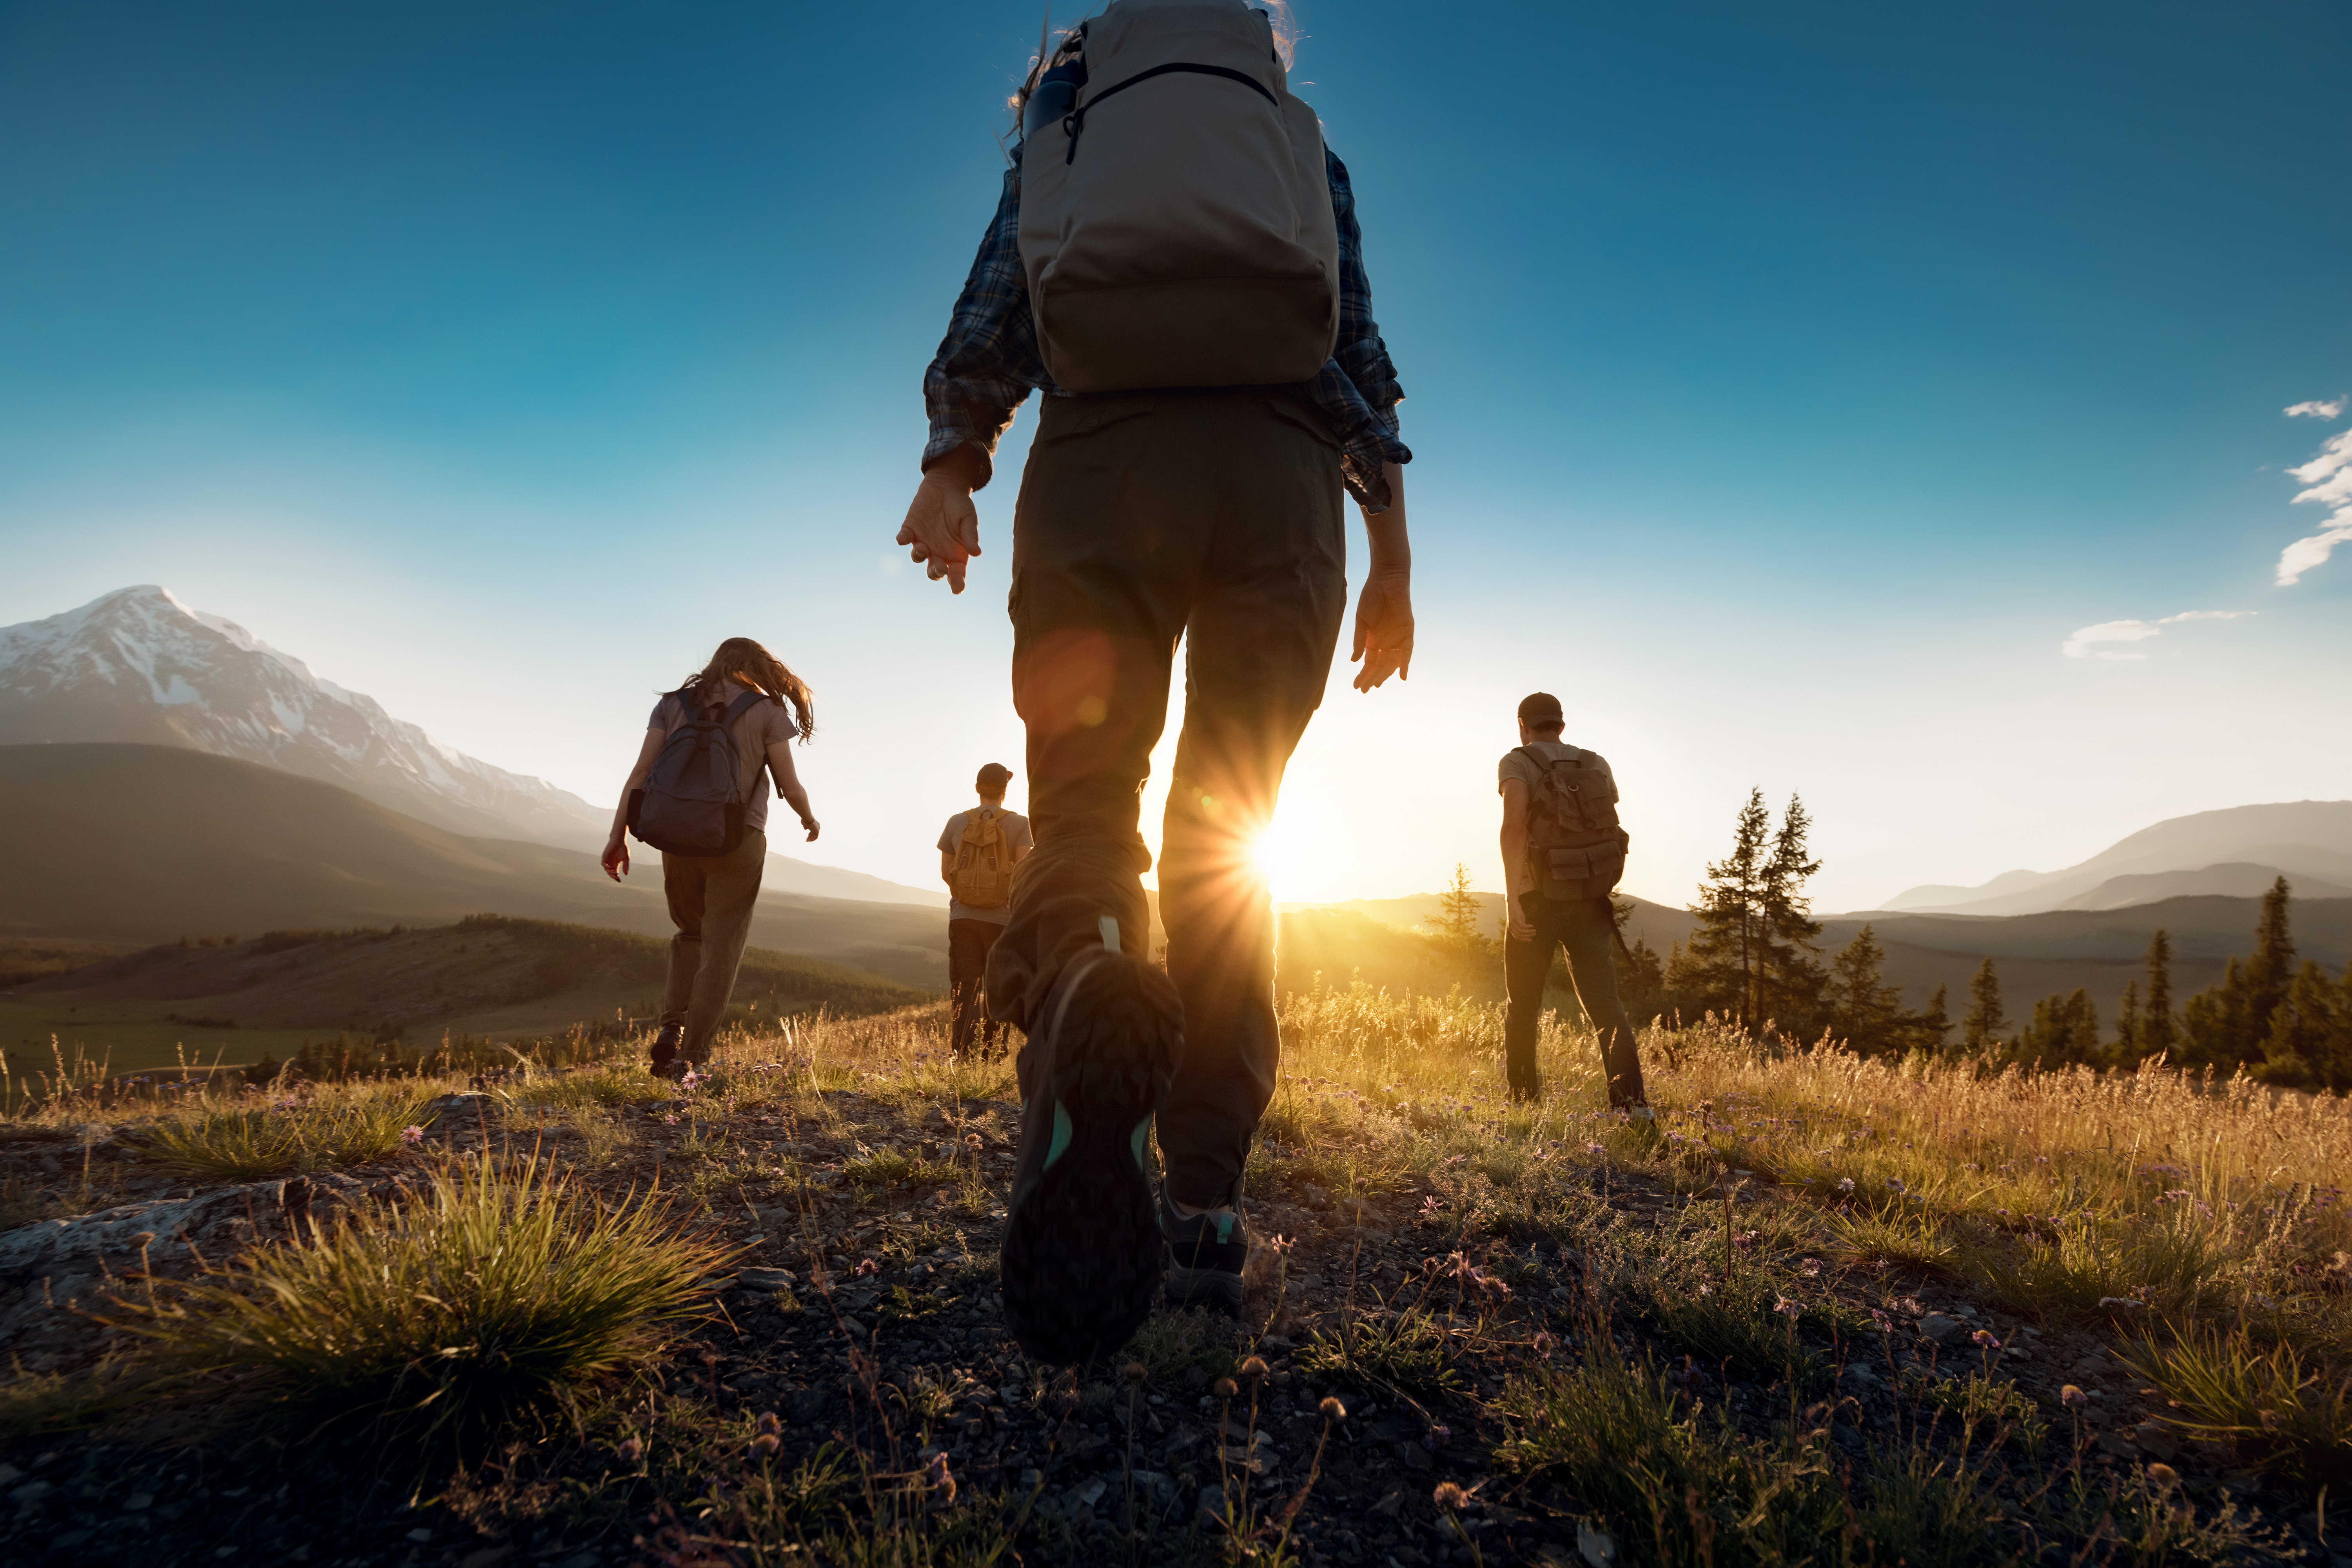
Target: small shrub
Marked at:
896, 1168
247, 1143
497, 1291
1980, 1401
2265, 1404
1909, 1239
1406, 1351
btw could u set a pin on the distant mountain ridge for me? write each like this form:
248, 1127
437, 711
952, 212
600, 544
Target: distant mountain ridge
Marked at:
145, 844
2235, 852
139, 666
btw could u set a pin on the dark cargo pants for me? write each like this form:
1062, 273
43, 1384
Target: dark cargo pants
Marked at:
1586, 929
1214, 516
968, 947
712, 898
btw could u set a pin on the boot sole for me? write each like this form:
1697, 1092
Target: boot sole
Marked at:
1082, 1249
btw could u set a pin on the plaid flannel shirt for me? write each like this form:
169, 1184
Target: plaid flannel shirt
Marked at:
989, 361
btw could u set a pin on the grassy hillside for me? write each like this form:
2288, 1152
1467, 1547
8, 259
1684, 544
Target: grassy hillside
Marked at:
484, 976
145, 844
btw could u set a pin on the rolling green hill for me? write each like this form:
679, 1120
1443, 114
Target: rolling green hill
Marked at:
145, 844
484, 976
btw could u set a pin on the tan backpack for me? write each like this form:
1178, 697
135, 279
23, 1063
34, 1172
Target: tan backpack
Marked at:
983, 868
1176, 221
1574, 845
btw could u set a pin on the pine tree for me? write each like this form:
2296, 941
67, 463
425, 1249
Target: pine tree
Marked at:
2156, 1033
1456, 921
2272, 969
1791, 979
2296, 1054
1927, 1029
1863, 1011
1980, 1029
1717, 968
2127, 1025
2064, 1033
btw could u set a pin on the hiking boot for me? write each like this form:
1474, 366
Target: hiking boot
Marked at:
666, 1062
1206, 1253
1081, 1255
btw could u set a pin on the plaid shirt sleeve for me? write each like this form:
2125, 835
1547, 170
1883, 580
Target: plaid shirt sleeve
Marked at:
989, 361
1357, 389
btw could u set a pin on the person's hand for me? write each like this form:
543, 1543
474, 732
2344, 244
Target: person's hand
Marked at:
617, 857
943, 530
811, 824
1383, 628
1521, 930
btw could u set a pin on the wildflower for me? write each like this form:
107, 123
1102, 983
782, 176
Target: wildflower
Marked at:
1254, 1367
1810, 1268
1225, 1388
631, 1450
1743, 1241
1705, 1289
670, 1118
1450, 1497
937, 1477
865, 1267
1897, 1183
1846, 1184
1595, 1149
1542, 1344
1786, 1307
1332, 1410
1437, 1437
2119, 1302
1885, 1324
692, 1077
411, 1136
2072, 1398
1983, 1340
1429, 1205
1280, 1246
2163, 1475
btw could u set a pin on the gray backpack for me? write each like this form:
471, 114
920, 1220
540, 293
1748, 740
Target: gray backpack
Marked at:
691, 803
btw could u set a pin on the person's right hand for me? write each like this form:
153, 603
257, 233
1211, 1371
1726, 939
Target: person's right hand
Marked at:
943, 530
1521, 931
617, 857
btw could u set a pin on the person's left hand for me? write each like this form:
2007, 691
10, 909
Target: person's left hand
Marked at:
617, 857
1383, 628
812, 824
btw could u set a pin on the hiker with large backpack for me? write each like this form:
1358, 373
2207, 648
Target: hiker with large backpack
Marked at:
978, 850
1175, 263
696, 794
1562, 854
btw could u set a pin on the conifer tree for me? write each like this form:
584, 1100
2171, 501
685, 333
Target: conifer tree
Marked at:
2156, 1024
2064, 1032
2272, 969
1790, 977
1456, 921
1927, 1029
1981, 1028
2127, 1025
1863, 1011
2297, 1053
1717, 968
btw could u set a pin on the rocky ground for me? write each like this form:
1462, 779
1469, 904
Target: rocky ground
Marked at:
860, 1335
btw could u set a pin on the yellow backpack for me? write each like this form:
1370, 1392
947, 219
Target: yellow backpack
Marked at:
983, 868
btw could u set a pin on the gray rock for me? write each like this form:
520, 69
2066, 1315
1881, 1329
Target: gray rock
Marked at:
766, 1279
2156, 1438
1211, 1505
1941, 1329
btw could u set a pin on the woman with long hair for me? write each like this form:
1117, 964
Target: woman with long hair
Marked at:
709, 820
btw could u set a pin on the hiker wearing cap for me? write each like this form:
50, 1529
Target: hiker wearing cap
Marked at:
978, 850
1175, 264
695, 795
1562, 854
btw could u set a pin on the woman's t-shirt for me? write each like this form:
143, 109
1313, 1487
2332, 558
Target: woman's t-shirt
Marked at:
765, 724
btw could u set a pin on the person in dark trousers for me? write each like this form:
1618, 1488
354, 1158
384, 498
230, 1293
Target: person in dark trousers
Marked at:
711, 897
978, 871
1213, 515
1586, 929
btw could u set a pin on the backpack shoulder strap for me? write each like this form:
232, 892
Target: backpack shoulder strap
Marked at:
744, 704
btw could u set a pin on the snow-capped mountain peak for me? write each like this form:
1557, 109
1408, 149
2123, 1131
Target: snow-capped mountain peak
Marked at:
139, 665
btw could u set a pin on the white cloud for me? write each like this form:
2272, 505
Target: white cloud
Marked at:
2329, 477
2315, 409
2084, 642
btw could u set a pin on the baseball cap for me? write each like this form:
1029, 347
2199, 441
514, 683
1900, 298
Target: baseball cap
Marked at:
994, 776
1540, 708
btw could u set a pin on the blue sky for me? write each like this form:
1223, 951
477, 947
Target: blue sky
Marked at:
1786, 388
